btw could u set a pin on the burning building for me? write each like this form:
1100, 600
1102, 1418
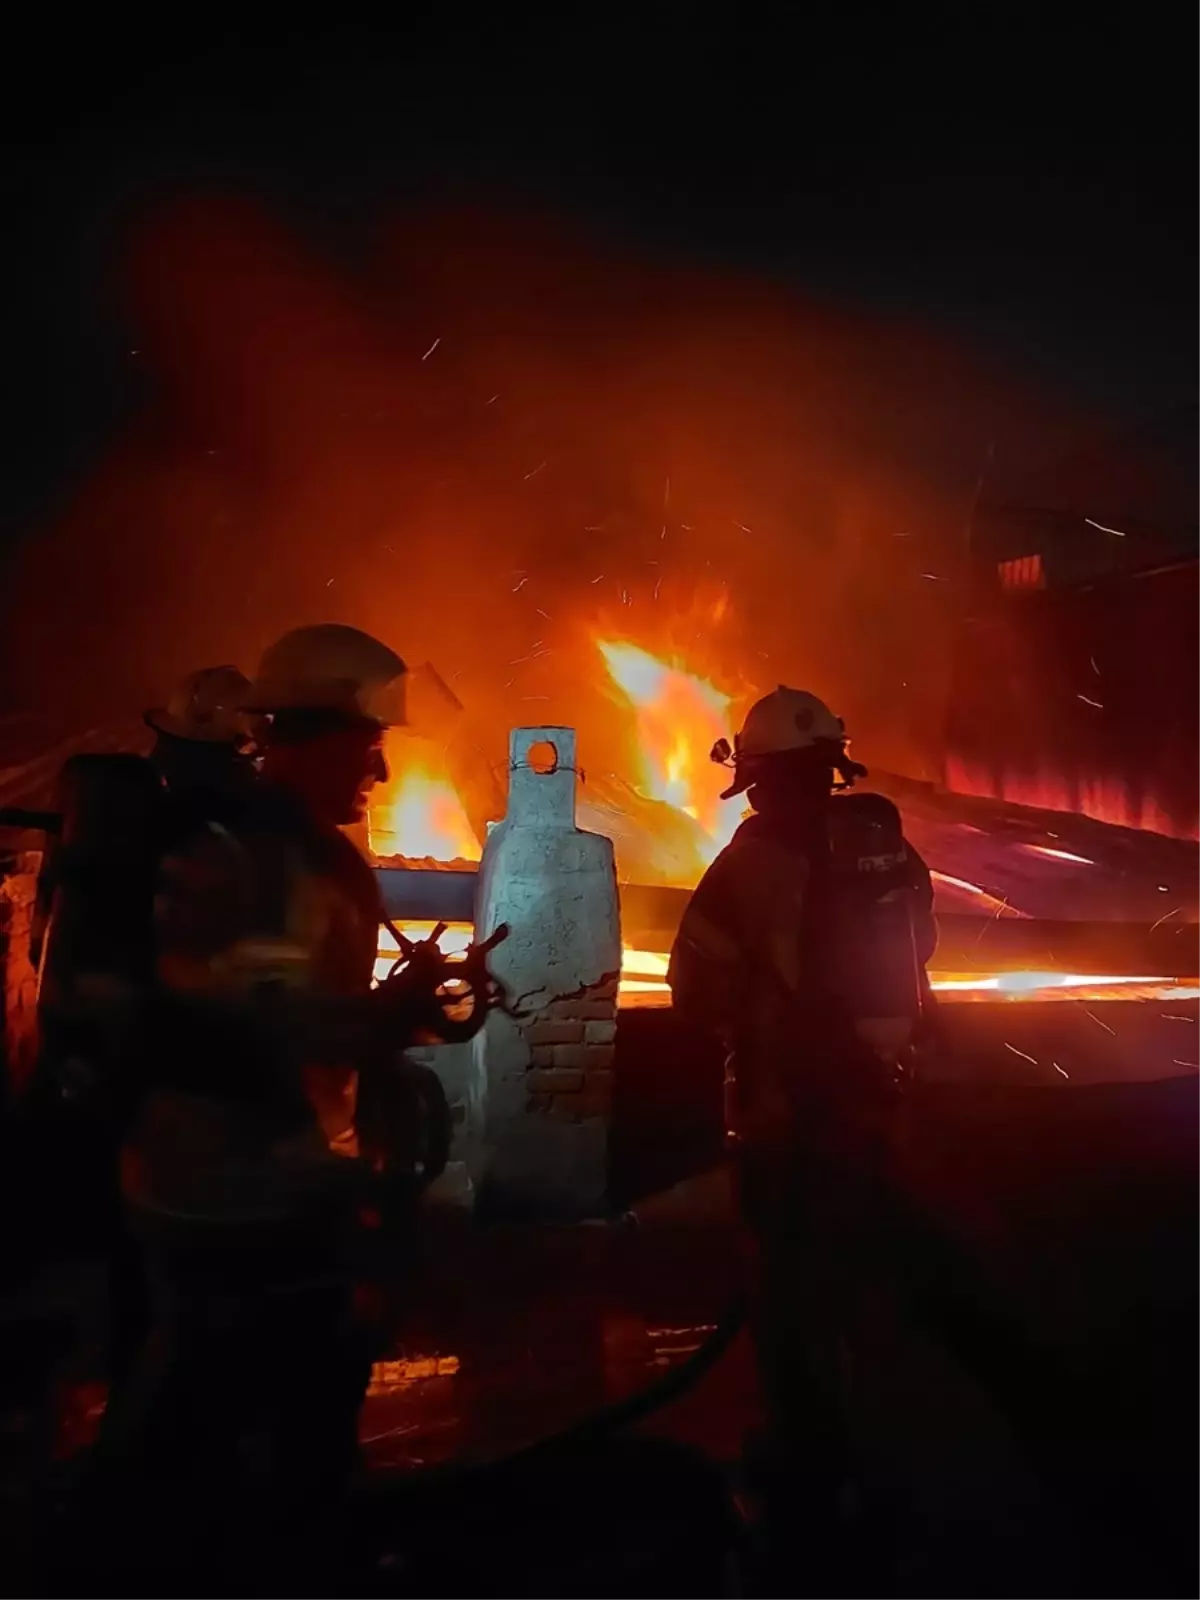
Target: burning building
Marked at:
532, 1100
1074, 684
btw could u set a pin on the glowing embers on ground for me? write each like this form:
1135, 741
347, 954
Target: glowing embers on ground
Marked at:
644, 977
644, 983
678, 717
397, 1376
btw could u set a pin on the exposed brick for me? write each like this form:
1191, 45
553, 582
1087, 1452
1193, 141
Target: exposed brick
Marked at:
601, 1081
600, 1032
571, 1055
561, 1011
597, 1056
555, 1081
596, 1010
555, 1032
542, 1055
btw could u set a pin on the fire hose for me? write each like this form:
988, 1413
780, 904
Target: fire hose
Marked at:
434, 991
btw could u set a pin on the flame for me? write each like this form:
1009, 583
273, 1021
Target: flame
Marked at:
644, 983
644, 977
453, 941
422, 818
678, 719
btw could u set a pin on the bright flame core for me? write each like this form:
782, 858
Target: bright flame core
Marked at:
644, 977
422, 818
678, 719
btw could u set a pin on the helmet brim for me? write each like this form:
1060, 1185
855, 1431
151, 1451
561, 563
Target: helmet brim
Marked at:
160, 720
384, 703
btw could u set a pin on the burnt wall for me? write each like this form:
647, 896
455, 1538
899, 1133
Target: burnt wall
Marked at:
18, 996
1083, 700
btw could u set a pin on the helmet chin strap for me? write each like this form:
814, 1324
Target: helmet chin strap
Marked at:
848, 771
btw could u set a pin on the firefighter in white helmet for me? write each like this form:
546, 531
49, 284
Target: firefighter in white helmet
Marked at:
804, 949
241, 1172
201, 751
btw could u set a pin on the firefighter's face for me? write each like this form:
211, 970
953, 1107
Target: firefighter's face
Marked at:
335, 771
359, 767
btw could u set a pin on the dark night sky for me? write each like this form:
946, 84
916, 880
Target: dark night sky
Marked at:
1025, 181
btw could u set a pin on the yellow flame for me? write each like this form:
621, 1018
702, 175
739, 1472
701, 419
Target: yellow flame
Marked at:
678, 719
453, 941
422, 817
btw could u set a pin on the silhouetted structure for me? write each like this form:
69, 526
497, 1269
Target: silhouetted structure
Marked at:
1074, 682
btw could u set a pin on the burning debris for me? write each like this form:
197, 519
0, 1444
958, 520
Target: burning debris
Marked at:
667, 822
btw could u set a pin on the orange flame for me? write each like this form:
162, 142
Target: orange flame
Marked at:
678, 719
422, 818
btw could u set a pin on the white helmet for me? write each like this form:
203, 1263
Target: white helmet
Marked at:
786, 719
207, 707
330, 667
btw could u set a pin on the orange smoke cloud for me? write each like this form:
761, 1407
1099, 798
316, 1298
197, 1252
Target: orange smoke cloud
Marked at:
483, 440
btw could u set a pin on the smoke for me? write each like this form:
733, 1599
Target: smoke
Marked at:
493, 438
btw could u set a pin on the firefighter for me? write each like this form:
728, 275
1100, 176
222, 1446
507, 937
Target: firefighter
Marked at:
201, 752
804, 949
203, 735
240, 1173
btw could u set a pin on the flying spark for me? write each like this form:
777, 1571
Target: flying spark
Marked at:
432, 348
1116, 532
1059, 855
1059, 1069
1098, 1023
535, 471
1191, 1064
520, 584
958, 883
1089, 702
1165, 918
1095, 668
1021, 1053
1174, 1016
933, 577
741, 525
599, 578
